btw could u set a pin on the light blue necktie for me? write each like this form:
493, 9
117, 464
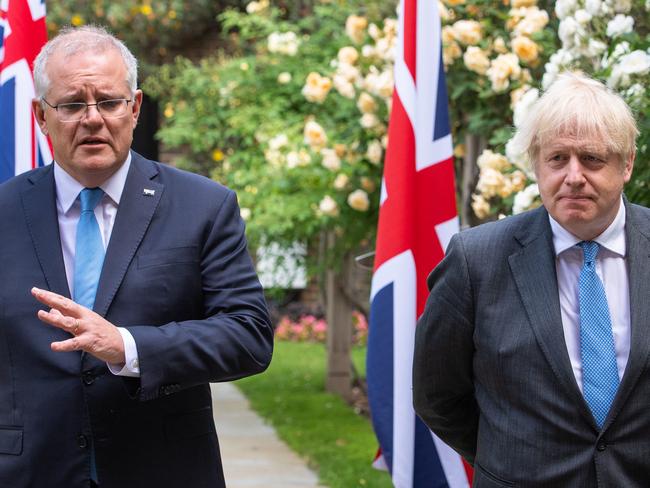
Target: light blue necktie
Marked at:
88, 262
599, 370
89, 250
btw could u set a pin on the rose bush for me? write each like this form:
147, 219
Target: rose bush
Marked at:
607, 39
293, 117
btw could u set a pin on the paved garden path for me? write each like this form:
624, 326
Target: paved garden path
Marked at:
252, 454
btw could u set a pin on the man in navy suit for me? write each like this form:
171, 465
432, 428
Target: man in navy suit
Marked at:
111, 388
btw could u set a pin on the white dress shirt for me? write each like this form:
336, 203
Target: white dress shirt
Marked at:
612, 271
68, 210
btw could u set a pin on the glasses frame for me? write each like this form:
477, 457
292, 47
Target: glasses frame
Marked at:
96, 104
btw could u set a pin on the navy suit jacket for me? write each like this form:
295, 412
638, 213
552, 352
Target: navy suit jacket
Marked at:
178, 276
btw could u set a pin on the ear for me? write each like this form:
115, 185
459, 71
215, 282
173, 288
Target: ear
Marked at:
39, 113
137, 104
629, 165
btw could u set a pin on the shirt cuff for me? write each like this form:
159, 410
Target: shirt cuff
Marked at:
132, 366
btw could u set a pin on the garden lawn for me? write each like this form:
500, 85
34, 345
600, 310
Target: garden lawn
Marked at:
337, 443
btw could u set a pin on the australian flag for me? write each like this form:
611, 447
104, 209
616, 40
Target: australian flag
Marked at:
416, 221
22, 35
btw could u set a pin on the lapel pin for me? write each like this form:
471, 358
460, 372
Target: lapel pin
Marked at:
148, 193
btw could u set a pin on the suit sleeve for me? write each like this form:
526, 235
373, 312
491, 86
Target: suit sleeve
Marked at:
234, 338
443, 387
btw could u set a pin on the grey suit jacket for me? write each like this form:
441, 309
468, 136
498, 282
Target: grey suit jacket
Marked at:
492, 375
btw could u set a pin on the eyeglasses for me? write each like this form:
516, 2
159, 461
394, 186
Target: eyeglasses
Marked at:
75, 111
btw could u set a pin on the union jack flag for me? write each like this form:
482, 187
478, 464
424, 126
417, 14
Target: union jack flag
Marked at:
416, 221
22, 35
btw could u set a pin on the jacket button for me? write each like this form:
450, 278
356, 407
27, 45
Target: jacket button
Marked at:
82, 441
601, 446
88, 378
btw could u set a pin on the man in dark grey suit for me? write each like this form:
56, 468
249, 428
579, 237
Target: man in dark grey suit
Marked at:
531, 358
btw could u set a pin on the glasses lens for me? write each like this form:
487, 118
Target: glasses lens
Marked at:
112, 108
71, 111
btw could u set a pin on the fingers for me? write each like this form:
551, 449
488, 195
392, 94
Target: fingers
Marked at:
57, 319
62, 304
67, 345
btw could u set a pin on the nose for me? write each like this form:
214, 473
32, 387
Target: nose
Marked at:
574, 175
92, 115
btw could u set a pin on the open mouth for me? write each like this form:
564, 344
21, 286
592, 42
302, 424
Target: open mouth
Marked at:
93, 142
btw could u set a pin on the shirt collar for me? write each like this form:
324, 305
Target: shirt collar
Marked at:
612, 238
67, 188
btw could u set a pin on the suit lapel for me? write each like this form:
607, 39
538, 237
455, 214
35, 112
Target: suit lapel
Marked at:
638, 248
134, 214
39, 207
533, 269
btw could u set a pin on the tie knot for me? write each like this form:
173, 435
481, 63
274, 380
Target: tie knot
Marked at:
89, 198
590, 250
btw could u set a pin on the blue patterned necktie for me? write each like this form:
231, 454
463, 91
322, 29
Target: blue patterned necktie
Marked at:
599, 370
89, 250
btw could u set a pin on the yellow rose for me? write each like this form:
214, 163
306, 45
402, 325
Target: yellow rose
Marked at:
328, 206
315, 135
355, 27
348, 55
476, 60
366, 103
480, 206
525, 49
468, 32
358, 200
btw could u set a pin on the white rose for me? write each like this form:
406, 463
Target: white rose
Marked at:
359, 200
274, 157
595, 47
375, 152
582, 17
564, 8
368, 51
293, 159
330, 159
524, 104
567, 31
519, 159
278, 141
525, 198
593, 6
328, 206
637, 62
619, 25
284, 78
